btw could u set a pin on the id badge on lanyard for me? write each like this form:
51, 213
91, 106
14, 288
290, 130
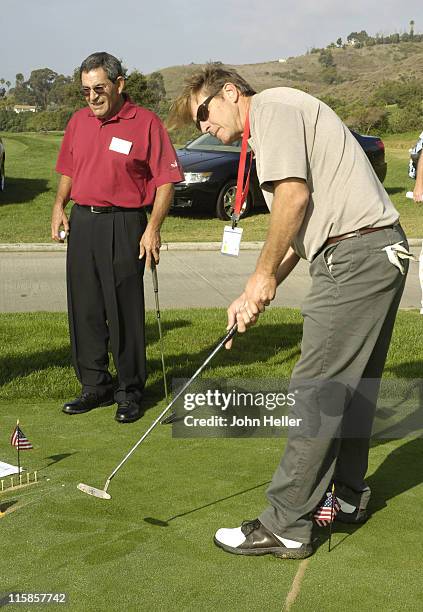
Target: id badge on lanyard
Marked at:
232, 234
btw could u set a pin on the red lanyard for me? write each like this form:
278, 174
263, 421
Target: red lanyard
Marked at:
241, 187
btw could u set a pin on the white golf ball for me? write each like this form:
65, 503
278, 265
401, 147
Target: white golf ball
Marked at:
62, 234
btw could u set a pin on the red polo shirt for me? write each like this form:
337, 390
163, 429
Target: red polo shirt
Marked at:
120, 161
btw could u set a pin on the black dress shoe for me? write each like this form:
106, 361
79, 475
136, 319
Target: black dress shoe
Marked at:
86, 402
252, 538
128, 411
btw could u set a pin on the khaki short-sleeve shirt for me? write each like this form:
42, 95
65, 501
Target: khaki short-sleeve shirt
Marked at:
295, 135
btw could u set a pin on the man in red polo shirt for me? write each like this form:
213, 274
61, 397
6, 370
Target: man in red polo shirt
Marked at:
116, 158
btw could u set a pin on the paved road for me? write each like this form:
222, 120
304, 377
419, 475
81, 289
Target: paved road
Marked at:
31, 281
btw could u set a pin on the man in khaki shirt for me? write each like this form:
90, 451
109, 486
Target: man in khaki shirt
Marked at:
327, 206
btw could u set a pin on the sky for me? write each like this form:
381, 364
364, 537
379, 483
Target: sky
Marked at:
148, 36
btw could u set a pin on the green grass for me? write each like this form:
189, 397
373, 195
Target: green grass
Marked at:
35, 352
31, 183
106, 556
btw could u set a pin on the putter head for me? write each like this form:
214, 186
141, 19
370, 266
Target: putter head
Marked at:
101, 493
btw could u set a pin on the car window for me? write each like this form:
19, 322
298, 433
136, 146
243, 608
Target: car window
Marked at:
207, 142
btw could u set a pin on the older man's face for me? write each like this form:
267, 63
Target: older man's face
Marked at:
102, 95
223, 119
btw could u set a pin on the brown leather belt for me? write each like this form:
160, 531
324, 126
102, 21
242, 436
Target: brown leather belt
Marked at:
359, 232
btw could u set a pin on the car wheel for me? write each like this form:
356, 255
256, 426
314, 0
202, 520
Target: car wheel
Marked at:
2, 177
226, 202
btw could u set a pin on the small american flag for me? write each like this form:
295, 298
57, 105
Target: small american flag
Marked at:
19, 439
325, 514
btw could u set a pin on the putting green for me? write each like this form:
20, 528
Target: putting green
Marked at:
150, 546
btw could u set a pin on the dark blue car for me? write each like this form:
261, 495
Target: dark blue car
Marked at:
211, 169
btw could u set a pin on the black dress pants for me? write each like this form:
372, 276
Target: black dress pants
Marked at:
106, 299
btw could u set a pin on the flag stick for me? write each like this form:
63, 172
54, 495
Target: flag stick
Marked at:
331, 514
19, 462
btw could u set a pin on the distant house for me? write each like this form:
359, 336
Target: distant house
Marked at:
24, 108
282, 60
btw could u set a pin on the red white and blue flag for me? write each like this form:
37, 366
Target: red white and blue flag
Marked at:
326, 512
19, 439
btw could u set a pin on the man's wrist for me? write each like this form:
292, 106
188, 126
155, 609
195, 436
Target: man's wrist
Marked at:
60, 204
154, 226
264, 269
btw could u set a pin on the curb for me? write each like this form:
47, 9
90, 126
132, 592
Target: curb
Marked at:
26, 247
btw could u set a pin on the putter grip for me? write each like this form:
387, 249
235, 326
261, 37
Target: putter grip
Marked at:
154, 276
231, 333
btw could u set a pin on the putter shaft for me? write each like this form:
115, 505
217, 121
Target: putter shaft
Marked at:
221, 343
159, 324
102, 493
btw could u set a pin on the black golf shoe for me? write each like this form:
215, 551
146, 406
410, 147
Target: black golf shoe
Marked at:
128, 411
358, 517
252, 538
88, 401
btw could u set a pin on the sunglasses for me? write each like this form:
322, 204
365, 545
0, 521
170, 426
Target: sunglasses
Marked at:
203, 110
98, 89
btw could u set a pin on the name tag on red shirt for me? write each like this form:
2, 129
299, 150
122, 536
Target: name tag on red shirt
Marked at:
120, 146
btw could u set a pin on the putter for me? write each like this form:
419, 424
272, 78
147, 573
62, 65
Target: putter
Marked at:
156, 297
102, 493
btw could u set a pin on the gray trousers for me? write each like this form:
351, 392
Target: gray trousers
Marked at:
349, 316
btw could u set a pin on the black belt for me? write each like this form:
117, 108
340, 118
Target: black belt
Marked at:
108, 209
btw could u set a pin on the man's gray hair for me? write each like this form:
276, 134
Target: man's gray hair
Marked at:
110, 64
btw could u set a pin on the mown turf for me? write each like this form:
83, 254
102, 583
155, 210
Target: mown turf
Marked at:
114, 554
35, 359
150, 547
31, 184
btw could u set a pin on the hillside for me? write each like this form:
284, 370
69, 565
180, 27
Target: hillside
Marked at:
359, 71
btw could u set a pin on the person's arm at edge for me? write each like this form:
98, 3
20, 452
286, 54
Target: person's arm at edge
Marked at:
277, 258
150, 241
418, 187
58, 215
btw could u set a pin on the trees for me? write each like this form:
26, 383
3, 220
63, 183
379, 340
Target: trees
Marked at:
21, 91
326, 58
403, 93
156, 87
40, 84
136, 87
329, 72
146, 91
412, 28
365, 119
